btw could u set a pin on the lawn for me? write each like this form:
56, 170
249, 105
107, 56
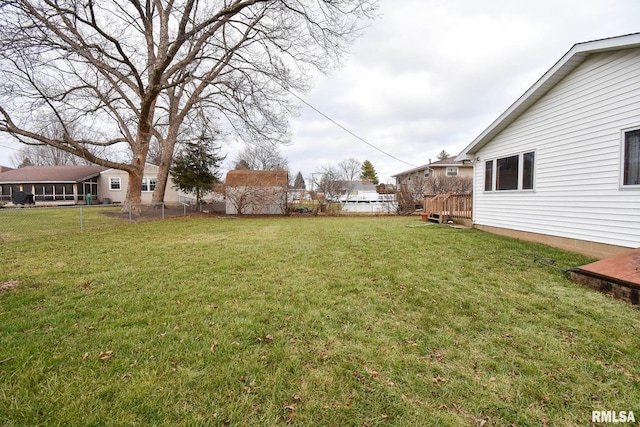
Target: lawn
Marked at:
43, 223
306, 321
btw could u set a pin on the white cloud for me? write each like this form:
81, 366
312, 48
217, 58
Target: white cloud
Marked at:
430, 75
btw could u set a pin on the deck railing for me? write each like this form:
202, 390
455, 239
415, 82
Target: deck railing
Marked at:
447, 207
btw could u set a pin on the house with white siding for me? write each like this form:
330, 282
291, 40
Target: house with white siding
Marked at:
562, 164
113, 183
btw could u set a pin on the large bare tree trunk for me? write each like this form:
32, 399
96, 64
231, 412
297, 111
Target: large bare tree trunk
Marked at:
163, 172
113, 74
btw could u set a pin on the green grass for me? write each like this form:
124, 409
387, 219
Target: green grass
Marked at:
40, 223
306, 321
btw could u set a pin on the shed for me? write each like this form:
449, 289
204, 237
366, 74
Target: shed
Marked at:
256, 192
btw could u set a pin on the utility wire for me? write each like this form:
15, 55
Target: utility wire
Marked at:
7, 147
332, 121
345, 129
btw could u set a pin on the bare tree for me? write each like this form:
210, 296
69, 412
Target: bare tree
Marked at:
350, 169
263, 156
448, 184
46, 155
125, 72
154, 156
412, 192
331, 183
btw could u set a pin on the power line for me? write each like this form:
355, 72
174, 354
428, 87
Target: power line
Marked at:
7, 147
345, 129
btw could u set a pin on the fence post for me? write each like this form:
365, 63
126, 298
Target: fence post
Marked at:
81, 226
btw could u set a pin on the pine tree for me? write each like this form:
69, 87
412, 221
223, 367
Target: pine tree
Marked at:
196, 168
299, 183
443, 155
368, 173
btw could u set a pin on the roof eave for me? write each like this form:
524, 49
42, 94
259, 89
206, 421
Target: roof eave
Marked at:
574, 57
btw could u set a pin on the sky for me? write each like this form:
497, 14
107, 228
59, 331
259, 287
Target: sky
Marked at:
431, 75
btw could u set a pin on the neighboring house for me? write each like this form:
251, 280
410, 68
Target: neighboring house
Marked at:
52, 185
562, 164
113, 186
68, 185
449, 167
444, 176
256, 192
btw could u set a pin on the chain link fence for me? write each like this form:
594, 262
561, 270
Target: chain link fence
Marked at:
40, 222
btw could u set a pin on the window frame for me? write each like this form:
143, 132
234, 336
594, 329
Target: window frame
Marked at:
113, 180
148, 182
520, 179
490, 174
623, 158
452, 169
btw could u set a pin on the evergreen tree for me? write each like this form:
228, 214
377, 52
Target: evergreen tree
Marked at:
26, 162
299, 183
443, 155
368, 173
196, 168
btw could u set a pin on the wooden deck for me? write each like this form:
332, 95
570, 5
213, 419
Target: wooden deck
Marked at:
618, 276
443, 208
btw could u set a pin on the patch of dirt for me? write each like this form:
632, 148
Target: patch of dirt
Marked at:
4, 286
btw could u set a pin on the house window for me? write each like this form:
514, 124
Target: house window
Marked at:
114, 183
527, 171
426, 173
148, 184
507, 173
488, 175
5, 192
452, 171
511, 173
631, 158
68, 191
48, 192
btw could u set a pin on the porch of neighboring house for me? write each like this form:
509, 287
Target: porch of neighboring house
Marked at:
445, 208
618, 276
51, 185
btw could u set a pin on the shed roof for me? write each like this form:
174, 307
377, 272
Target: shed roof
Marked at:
50, 174
254, 178
569, 62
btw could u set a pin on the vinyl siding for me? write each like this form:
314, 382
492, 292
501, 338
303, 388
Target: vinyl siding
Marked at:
575, 131
171, 194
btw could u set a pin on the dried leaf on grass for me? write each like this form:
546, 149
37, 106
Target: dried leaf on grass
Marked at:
106, 355
438, 380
